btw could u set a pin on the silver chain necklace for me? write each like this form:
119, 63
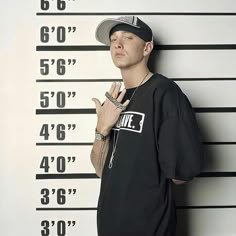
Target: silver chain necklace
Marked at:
117, 136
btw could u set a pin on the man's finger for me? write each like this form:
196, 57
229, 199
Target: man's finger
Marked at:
116, 90
126, 103
97, 104
113, 85
122, 94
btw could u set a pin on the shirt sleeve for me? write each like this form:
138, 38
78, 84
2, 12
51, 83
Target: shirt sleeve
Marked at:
179, 141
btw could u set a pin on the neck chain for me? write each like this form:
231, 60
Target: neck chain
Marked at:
118, 132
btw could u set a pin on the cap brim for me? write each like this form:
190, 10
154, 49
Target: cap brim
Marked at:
104, 28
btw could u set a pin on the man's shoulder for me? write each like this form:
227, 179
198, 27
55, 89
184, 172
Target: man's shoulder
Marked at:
166, 88
162, 82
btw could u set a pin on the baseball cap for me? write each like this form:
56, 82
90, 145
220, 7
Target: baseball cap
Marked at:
125, 23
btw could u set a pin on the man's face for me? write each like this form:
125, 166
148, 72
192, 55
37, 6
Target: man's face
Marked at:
127, 49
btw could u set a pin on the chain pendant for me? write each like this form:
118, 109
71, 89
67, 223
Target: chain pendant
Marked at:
115, 140
111, 160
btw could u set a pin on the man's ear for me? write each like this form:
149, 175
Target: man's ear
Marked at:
148, 48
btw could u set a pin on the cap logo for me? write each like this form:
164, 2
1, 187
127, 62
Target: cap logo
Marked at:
135, 21
129, 19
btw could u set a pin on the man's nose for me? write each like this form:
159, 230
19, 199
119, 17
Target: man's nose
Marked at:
119, 43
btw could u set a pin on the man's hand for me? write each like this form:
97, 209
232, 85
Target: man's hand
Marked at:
108, 113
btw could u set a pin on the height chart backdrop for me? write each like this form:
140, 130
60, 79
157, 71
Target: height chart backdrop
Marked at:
51, 67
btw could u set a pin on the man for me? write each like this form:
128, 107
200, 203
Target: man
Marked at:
146, 138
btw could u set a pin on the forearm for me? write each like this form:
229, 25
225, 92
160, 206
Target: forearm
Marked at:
99, 154
107, 116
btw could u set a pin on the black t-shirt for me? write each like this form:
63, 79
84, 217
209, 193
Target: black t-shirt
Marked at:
158, 140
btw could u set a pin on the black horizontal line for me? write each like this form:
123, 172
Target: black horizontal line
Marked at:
214, 109
72, 48
94, 176
78, 80
219, 143
217, 174
67, 176
119, 80
90, 144
64, 111
203, 79
135, 13
196, 47
66, 209
95, 208
205, 207
63, 144
83, 111
156, 47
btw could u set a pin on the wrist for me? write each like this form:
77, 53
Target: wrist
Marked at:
102, 131
99, 136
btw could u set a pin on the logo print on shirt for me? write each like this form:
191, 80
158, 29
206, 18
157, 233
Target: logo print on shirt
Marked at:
131, 121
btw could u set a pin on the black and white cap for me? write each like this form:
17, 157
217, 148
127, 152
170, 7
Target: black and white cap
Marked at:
125, 23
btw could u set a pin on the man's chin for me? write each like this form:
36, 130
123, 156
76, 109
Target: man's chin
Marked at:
121, 65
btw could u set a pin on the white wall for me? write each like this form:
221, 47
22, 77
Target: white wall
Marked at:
197, 50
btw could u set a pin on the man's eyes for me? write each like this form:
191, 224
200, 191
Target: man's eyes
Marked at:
128, 37
124, 37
